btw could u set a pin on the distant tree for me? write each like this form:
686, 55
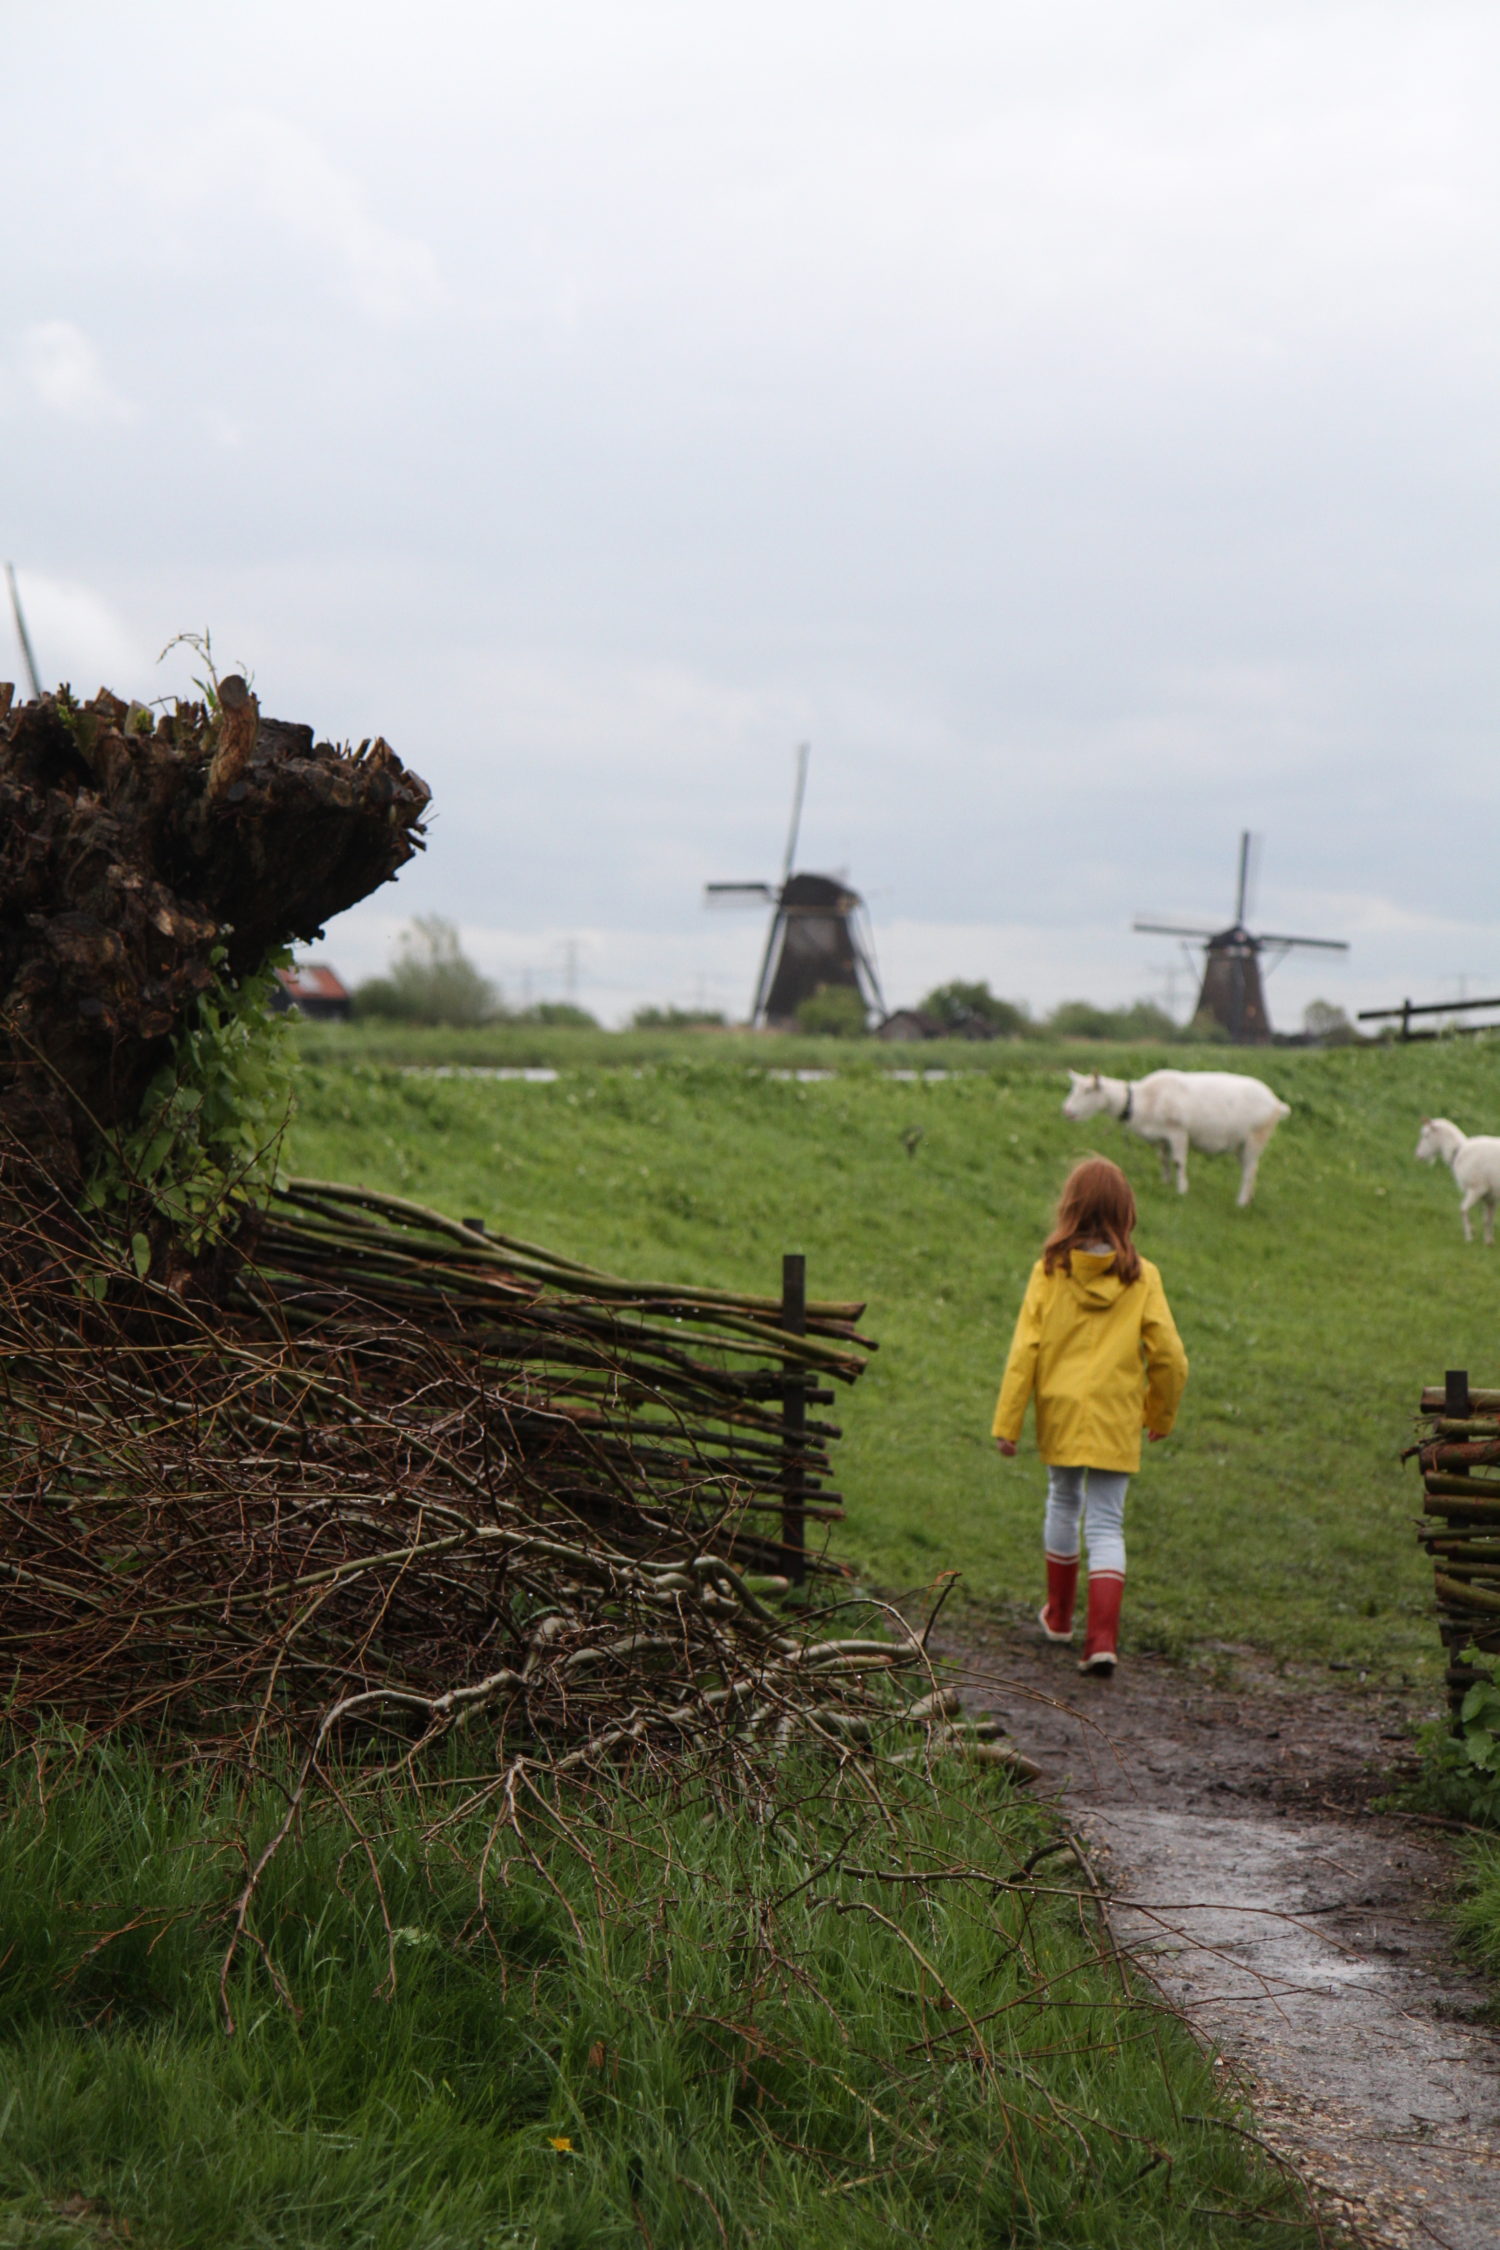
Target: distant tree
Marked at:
961, 1008
678, 1019
833, 1012
559, 1013
431, 980
1329, 1025
1080, 1019
1143, 1021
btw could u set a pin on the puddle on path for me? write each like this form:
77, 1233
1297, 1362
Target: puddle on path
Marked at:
1297, 1929
1292, 1946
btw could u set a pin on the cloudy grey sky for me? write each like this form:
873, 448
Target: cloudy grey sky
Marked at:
1077, 420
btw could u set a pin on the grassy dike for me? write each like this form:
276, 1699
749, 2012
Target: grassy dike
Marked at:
1278, 1516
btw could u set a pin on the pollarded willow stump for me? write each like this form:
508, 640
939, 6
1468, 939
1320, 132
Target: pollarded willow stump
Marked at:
139, 854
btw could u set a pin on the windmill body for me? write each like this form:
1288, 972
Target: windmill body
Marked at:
1231, 991
817, 940
1232, 994
815, 943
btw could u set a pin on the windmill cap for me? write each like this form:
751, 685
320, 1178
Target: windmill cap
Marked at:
819, 890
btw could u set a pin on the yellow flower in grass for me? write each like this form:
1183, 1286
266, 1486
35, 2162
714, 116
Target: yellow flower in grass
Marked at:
561, 2143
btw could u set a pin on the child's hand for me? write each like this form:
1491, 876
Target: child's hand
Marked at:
1155, 1437
1007, 1446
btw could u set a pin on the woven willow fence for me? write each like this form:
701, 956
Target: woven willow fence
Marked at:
1459, 1451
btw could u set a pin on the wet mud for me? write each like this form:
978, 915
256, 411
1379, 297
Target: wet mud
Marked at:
1299, 1927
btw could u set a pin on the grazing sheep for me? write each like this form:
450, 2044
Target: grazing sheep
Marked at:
1211, 1110
1474, 1161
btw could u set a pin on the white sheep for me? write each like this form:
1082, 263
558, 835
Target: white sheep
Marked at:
1211, 1110
1474, 1161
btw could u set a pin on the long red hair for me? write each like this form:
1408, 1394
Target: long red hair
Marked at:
1096, 1205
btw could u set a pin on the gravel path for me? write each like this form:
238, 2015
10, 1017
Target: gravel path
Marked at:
1296, 1927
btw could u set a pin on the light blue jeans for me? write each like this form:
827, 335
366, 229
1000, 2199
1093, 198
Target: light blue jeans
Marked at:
1098, 1497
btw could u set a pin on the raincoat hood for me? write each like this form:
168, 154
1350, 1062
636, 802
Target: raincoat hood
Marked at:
1093, 1280
1101, 1359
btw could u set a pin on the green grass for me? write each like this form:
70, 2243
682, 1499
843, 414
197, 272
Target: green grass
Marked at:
727, 2071
861, 2064
1477, 1915
1278, 1516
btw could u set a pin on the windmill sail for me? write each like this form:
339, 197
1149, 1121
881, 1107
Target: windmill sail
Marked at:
21, 633
804, 752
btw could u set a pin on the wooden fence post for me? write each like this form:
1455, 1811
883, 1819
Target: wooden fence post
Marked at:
794, 1422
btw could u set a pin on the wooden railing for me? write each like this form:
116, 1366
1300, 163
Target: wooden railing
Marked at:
1407, 1010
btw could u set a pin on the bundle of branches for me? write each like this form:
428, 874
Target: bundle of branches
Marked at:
1459, 1450
677, 1387
144, 859
250, 1536
312, 1464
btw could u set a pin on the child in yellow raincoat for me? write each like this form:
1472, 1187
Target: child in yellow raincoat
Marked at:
1097, 1348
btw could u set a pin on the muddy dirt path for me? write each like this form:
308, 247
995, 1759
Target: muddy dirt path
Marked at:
1297, 1928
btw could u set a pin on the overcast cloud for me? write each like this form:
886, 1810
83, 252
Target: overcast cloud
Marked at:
1077, 421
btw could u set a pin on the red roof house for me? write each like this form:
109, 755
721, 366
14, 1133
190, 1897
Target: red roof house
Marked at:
313, 991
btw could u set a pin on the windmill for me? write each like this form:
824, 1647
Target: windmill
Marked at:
21, 633
817, 936
1231, 990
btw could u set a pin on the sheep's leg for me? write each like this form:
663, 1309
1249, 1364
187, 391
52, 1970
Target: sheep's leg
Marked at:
1178, 1144
1250, 1155
1471, 1197
1163, 1150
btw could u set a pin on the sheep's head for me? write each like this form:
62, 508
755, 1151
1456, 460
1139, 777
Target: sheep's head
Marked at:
1430, 1140
1086, 1095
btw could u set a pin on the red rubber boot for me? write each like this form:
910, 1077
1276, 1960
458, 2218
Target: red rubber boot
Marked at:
1056, 1614
1106, 1592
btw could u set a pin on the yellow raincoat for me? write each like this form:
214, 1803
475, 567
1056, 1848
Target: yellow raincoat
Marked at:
1104, 1362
